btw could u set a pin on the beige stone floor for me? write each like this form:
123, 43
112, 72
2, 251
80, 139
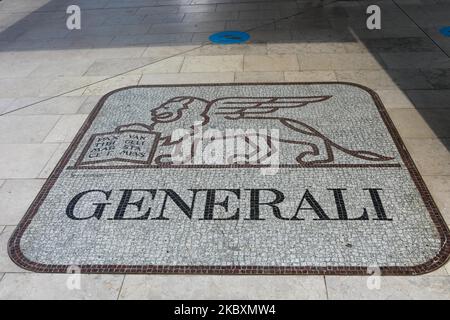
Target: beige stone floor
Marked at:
50, 79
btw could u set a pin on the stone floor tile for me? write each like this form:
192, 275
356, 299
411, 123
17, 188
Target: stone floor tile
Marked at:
310, 76
44, 33
400, 32
6, 264
164, 51
415, 60
406, 45
197, 8
301, 22
394, 99
210, 16
69, 85
114, 52
168, 65
115, 30
17, 69
69, 67
260, 15
112, 67
26, 129
374, 79
439, 187
430, 98
73, 43
347, 61
55, 286
438, 120
109, 85
15, 198
159, 18
231, 49
74, 92
165, 28
271, 63
442, 271
431, 156
200, 38
286, 48
22, 87
305, 47
213, 63
424, 124
162, 18
355, 47
438, 78
25, 44
155, 10
259, 76
88, 105
328, 47
269, 36
16, 163
149, 39
237, 6
437, 183
321, 35
5, 104
55, 105
124, 19
251, 26
390, 288
181, 78
51, 164
222, 287
410, 79
66, 128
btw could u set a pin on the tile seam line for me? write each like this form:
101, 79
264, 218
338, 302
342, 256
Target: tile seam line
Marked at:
202, 45
326, 287
420, 28
121, 287
48, 161
425, 138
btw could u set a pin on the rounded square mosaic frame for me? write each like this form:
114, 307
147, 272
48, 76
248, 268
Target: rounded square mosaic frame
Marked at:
436, 262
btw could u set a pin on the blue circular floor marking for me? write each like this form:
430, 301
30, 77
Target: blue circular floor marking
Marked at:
445, 31
229, 37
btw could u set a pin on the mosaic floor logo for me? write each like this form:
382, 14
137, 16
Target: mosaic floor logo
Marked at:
179, 134
167, 179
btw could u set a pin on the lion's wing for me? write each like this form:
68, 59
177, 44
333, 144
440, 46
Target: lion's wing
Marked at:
240, 107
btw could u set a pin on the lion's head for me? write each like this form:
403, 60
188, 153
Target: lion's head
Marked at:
171, 110
178, 113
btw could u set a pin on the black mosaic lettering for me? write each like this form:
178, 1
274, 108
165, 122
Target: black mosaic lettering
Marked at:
99, 207
255, 204
211, 203
315, 206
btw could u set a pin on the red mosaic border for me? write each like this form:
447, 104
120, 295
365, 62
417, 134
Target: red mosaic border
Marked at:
436, 262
